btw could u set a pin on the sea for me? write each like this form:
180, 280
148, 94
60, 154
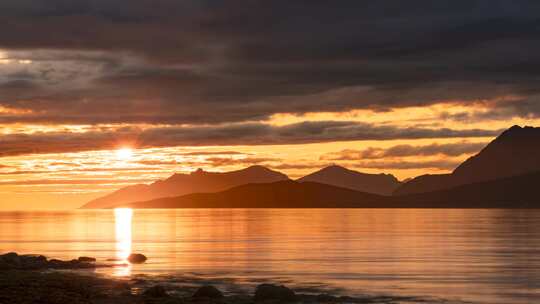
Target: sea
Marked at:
416, 255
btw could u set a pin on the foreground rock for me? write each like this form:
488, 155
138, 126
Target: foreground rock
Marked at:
22, 281
265, 292
137, 258
87, 259
209, 292
15, 261
157, 291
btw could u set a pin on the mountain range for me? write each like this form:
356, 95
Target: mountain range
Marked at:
180, 184
504, 174
511, 192
383, 184
516, 151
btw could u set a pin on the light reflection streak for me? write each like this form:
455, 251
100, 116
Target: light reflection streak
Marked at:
123, 229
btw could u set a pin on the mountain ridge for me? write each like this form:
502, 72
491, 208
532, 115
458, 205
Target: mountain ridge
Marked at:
180, 184
382, 184
514, 152
281, 194
510, 192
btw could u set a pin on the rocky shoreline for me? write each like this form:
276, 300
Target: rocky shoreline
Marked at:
29, 279
14, 261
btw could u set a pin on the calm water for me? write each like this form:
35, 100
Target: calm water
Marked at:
484, 256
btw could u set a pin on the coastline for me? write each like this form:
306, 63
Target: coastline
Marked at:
77, 284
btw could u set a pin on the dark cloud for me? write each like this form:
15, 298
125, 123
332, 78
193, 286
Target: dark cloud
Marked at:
500, 110
447, 165
382, 164
450, 149
229, 134
169, 61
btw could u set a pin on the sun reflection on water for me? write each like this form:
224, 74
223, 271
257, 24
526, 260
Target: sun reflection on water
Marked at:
123, 227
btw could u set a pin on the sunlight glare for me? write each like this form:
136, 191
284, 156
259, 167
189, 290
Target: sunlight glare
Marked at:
124, 153
123, 218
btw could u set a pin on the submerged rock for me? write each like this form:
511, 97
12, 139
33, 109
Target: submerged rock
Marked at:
157, 291
208, 291
274, 292
137, 258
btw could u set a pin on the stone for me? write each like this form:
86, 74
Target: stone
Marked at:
87, 259
11, 258
157, 291
326, 298
33, 262
208, 291
274, 292
73, 264
137, 258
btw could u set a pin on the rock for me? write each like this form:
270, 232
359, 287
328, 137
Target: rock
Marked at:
54, 263
33, 262
87, 259
157, 291
136, 258
73, 264
274, 292
208, 291
5, 265
11, 258
325, 298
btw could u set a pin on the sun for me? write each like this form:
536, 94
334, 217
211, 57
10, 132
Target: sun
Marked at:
124, 153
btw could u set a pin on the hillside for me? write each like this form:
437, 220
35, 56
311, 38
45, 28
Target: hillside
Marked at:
516, 151
383, 184
180, 184
511, 192
283, 194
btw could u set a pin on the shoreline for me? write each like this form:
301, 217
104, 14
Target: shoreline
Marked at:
25, 283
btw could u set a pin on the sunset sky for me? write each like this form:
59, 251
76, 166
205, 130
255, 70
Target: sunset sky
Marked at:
97, 95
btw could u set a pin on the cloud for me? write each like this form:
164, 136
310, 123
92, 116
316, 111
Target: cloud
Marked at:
449, 150
35, 182
229, 161
168, 62
228, 134
156, 162
404, 165
205, 153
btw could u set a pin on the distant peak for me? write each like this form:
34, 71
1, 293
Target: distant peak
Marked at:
256, 167
335, 168
198, 172
259, 168
518, 131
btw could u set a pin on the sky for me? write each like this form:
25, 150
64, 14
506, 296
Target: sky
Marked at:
402, 87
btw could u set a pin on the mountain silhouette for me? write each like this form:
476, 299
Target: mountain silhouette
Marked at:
180, 184
516, 151
511, 192
282, 194
383, 184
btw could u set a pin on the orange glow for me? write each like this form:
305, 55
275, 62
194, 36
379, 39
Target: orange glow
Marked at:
123, 227
124, 153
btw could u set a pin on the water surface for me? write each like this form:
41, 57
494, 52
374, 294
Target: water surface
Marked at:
480, 256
